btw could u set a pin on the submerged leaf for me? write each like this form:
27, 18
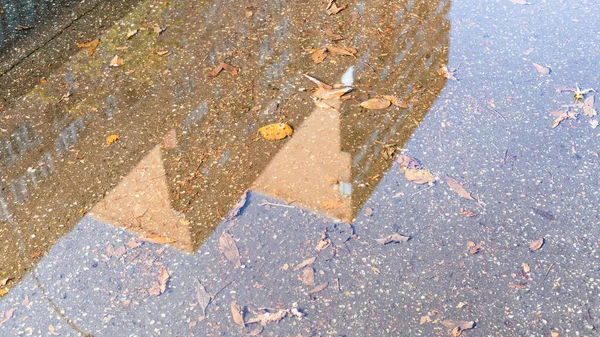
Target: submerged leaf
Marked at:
228, 248
308, 276
419, 176
269, 317
588, 107
203, 297
537, 244
237, 314
318, 288
392, 238
235, 211
457, 187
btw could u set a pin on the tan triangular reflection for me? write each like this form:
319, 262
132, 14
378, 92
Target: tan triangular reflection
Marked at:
311, 170
141, 203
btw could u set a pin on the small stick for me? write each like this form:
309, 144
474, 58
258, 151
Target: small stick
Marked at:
218, 291
272, 204
497, 113
549, 268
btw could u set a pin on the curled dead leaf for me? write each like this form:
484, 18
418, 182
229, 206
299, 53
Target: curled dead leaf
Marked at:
116, 61
318, 288
457, 187
392, 238
448, 73
276, 131
333, 8
376, 103
237, 314
419, 176
537, 244
90, 45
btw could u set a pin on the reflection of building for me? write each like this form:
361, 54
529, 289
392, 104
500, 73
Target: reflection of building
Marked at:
213, 155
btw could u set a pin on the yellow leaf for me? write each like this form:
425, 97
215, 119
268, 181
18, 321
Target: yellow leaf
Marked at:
111, 139
276, 131
3, 291
376, 103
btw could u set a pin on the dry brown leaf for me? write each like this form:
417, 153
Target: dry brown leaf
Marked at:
235, 211
541, 69
448, 73
368, 211
269, 317
467, 213
460, 305
408, 162
157, 29
318, 82
588, 107
342, 51
26, 303
237, 314
324, 242
203, 297
475, 249
154, 289
319, 55
90, 45
376, 103
554, 334
228, 248
392, 238
396, 101
333, 8
419, 176
304, 263
526, 268
318, 288
331, 93
537, 244
517, 286
559, 120
276, 131
308, 276
457, 187
116, 61
425, 319
223, 66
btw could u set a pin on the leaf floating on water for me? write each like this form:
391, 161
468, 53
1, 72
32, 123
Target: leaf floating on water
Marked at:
537, 244
520, 2
541, 69
276, 131
393, 238
116, 61
319, 55
588, 107
235, 211
237, 314
228, 248
376, 103
111, 139
90, 45
544, 214
457, 187
203, 297
458, 327
318, 288
419, 176
304, 263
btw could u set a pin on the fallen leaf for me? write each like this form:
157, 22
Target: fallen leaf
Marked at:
228, 248
154, 289
132, 243
588, 107
593, 123
376, 103
392, 238
157, 29
203, 297
559, 120
235, 211
419, 176
269, 317
520, 2
460, 305
236, 312
425, 319
117, 61
304, 263
462, 325
467, 213
119, 252
537, 244
331, 93
90, 45
318, 288
342, 51
396, 101
35, 255
333, 8
324, 242
3, 291
455, 332
475, 249
7, 315
276, 131
111, 139
132, 33
319, 55
368, 211
554, 334
223, 66
457, 187
540, 68
163, 278
318, 82
308, 276
408, 162
231, 69
526, 268
26, 303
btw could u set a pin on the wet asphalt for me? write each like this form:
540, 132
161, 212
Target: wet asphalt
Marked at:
466, 260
